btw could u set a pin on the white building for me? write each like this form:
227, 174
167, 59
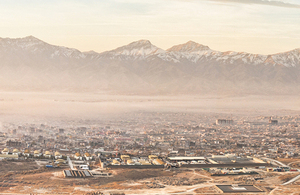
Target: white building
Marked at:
47, 154
16, 152
57, 155
78, 156
37, 153
88, 156
5, 151
26, 153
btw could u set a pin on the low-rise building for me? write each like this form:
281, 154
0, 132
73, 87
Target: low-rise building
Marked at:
36, 153
47, 154
57, 155
5, 151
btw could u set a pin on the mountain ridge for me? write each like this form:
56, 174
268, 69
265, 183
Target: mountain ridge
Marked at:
139, 49
141, 67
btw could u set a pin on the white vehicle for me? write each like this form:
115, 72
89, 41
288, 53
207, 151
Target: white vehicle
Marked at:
85, 167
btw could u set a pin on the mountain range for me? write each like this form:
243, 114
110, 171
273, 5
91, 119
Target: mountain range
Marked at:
30, 64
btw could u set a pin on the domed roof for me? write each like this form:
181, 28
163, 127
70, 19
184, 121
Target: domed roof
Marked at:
87, 154
15, 151
77, 154
47, 153
57, 154
27, 151
115, 162
36, 152
5, 150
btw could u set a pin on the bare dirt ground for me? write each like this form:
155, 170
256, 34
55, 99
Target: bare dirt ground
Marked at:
51, 181
7, 166
54, 182
294, 163
288, 160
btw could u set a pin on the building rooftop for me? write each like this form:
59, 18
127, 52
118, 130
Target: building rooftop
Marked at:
238, 188
187, 158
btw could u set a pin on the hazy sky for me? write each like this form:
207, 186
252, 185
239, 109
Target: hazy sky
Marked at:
256, 26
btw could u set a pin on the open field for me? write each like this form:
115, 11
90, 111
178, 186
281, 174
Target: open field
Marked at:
177, 181
8, 166
288, 160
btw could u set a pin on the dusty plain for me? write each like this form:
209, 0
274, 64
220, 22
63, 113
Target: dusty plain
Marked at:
130, 181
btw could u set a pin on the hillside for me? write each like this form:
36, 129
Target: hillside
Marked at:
142, 68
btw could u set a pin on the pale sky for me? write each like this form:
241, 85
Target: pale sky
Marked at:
255, 26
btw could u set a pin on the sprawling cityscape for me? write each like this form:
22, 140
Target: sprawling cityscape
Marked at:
155, 153
160, 97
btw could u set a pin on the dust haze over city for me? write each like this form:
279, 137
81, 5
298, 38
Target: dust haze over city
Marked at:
156, 97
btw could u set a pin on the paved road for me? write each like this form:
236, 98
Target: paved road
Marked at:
292, 180
70, 163
275, 162
284, 165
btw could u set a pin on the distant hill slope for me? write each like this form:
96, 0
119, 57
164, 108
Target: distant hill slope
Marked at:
142, 68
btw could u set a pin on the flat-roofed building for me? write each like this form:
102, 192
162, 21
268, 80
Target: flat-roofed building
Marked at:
186, 158
61, 131
77, 173
11, 143
229, 158
224, 122
235, 188
144, 162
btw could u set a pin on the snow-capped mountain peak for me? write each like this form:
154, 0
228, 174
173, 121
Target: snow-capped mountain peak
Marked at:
190, 51
31, 39
190, 46
140, 48
137, 50
36, 46
145, 50
288, 59
24, 43
29, 63
91, 52
141, 43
